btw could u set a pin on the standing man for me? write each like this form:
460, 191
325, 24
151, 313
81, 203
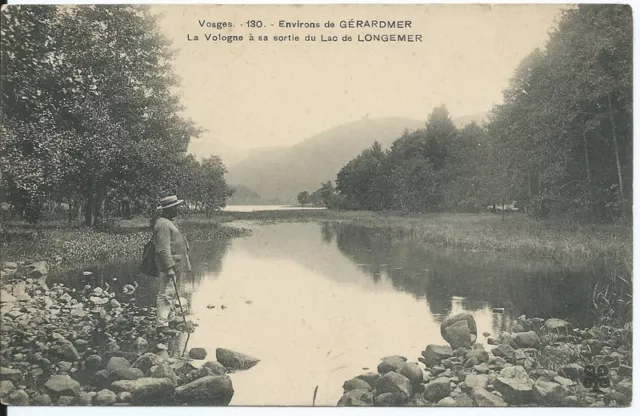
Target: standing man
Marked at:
172, 260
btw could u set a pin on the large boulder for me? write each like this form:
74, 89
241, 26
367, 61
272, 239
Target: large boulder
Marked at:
146, 361
515, 371
459, 330
216, 368
473, 381
526, 339
369, 377
391, 363
394, 383
104, 397
198, 353
515, 391
385, 400
412, 372
356, 398
437, 389
434, 354
207, 391
355, 384
233, 360
505, 351
62, 385
163, 371
146, 390
116, 363
483, 398
548, 393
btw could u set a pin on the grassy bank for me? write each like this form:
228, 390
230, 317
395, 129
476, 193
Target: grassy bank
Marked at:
66, 246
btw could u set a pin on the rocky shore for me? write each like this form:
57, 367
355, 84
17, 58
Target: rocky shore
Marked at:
540, 363
66, 346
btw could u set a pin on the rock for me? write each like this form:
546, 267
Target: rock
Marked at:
125, 374
480, 356
85, 399
161, 347
356, 398
80, 344
38, 270
446, 402
9, 265
355, 384
385, 400
114, 304
68, 351
573, 371
370, 377
62, 385
625, 388
104, 397
146, 390
547, 393
412, 372
124, 397
459, 330
507, 338
557, 326
117, 363
146, 361
233, 360
463, 400
565, 382
215, 367
394, 383
164, 371
10, 374
625, 370
516, 371
505, 351
93, 363
140, 344
7, 298
474, 381
65, 366
6, 387
41, 400
198, 353
493, 341
527, 339
17, 398
434, 354
437, 389
65, 400
207, 391
515, 391
517, 327
483, 398
481, 368
391, 363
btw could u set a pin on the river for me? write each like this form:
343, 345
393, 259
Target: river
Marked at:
320, 303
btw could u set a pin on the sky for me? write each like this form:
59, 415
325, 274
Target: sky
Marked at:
261, 94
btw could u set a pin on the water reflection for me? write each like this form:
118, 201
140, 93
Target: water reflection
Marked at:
320, 303
531, 286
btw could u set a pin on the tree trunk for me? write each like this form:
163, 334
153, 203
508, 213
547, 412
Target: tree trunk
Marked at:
88, 204
615, 148
99, 203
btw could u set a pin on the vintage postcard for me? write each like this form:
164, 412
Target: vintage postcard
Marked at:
316, 205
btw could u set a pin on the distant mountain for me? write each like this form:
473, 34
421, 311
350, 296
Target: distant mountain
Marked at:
278, 174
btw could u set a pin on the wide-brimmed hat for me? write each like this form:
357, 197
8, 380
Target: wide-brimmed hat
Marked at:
170, 201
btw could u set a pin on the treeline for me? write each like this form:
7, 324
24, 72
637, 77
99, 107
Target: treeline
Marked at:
91, 117
560, 144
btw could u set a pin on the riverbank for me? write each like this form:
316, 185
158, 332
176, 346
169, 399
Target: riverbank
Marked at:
544, 363
64, 346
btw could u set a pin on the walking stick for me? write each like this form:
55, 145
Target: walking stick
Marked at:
175, 286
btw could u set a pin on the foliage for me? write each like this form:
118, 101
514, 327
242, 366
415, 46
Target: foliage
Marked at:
90, 113
560, 144
303, 198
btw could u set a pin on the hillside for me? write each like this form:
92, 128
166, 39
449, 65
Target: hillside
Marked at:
279, 174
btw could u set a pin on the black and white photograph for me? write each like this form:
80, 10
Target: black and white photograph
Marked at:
377, 205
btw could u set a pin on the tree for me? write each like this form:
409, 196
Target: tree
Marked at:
303, 198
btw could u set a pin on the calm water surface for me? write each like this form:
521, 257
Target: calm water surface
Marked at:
321, 303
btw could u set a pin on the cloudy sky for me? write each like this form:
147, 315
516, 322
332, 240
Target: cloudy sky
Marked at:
256, 94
